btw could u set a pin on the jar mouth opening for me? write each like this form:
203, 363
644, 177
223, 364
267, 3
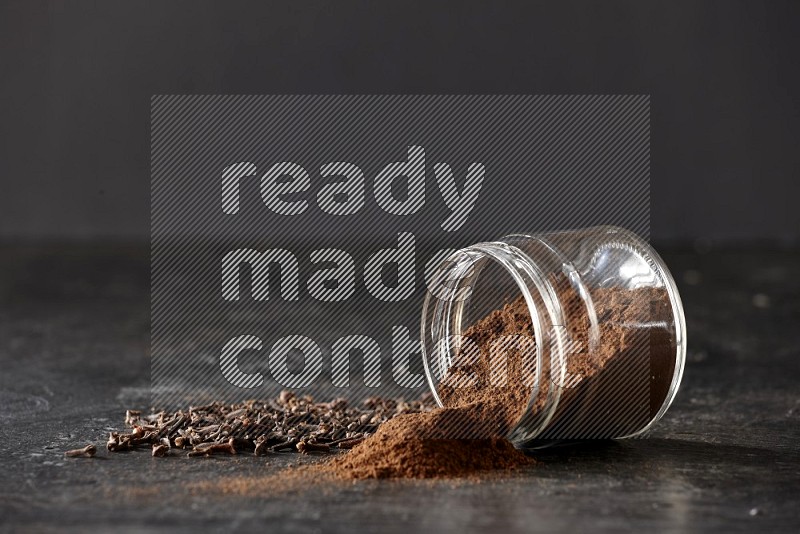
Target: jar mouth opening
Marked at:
468, 268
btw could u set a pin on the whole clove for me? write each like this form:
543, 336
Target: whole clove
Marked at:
305, 447
207, 449
87, 452
289, 422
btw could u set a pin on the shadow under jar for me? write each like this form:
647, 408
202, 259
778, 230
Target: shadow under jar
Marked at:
577, 334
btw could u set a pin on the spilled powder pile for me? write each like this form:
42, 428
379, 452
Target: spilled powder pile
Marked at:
619, 380
466, 437
403, 448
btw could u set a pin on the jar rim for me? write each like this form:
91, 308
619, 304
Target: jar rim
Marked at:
533, 286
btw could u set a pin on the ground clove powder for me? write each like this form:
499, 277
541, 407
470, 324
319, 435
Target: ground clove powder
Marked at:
469, 435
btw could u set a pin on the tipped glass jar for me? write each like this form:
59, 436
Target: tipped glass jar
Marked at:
568, 335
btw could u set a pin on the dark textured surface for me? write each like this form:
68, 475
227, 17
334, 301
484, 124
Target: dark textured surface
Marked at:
74, 331
722, 77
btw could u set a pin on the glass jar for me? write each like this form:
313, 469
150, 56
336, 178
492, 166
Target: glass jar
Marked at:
588, 324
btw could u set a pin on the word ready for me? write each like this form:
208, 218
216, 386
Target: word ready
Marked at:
346, 196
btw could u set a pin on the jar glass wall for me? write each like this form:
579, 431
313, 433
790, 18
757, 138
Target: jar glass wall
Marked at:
588, 323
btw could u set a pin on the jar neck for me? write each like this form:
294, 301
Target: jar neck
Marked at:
443, 316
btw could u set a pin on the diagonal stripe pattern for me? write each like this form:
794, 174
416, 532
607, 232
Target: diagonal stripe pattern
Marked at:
310, 181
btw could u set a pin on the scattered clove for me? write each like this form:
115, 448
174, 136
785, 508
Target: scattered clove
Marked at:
207, 449
289, 422
349, 443
87, 452
306, 447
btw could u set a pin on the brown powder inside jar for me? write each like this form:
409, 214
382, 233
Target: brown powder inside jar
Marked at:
614, 384
618, 383
629, 366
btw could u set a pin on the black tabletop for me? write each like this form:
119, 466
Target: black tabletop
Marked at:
74, 322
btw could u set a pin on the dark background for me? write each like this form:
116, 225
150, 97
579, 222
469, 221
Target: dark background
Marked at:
77, 79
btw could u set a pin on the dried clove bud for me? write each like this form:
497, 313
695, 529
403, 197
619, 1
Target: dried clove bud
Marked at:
87, 452
305, 447
207, 449
349, 443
